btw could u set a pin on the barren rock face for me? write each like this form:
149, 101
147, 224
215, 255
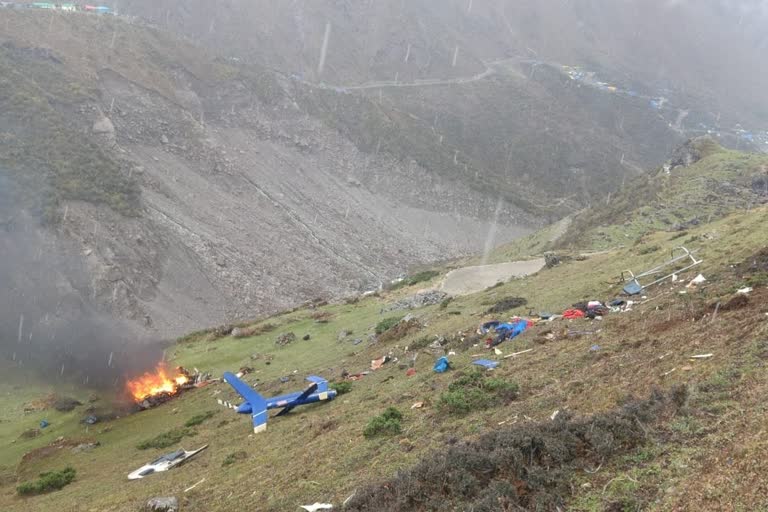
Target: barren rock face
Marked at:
103, 126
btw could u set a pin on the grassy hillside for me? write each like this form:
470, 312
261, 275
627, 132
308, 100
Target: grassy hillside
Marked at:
700, 448
721, 182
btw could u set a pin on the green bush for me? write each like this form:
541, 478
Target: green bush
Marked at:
166, 439
649, 250
341, 388
759, 279
387, 324
421, 343
388, 423
475, 392
49, 481
234, 457
421, 277
197, 419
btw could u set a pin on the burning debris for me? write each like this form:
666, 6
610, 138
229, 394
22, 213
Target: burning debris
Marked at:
153, 389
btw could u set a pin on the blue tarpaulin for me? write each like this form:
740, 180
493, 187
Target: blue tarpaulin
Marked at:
508, 331
486, 363
442, 365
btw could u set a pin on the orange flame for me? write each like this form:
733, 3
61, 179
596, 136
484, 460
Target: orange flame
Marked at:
151, 384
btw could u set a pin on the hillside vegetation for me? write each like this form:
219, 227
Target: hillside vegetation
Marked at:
675, 198
597, 415
51, 159
49, 84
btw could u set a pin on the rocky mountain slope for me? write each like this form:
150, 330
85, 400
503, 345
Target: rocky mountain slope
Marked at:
486, 80
193, 191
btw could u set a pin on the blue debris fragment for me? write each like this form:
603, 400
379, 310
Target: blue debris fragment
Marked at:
509, 330
43, 423
442, 365
486, 363
594, 348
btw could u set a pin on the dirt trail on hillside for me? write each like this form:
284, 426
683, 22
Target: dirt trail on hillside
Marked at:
468, 280
491, 69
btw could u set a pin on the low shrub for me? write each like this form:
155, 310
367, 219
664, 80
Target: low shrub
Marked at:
649, 250
474, 391
387, 424
166, 439
521, 467
421, 277
506, 304
197, 419
420, 343
234, 457
387, 324
341, 388
49, 481
400, 330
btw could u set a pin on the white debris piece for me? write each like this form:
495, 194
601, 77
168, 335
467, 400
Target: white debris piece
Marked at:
744, 291
700, 279
518, 353
317, 506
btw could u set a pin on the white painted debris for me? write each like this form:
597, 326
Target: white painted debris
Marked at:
669, 372
674, 278
554, 415
699, 279
518, 353
498, 352
164, 463
745, 291
195, 485
317, 506
417, 405
703, 356
349, 498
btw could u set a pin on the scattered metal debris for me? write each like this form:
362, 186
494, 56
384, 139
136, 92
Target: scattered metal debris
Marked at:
164, 463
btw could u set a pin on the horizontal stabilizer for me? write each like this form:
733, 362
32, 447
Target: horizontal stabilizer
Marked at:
257, 402
322, 384
293, 403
